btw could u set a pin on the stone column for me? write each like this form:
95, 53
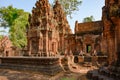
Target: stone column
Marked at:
104, 45
84, 48
118, 40
62, 42
110, 36
45, 42
29, 47
111, 49
39, 46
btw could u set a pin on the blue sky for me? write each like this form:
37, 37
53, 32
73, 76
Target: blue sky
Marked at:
88, 8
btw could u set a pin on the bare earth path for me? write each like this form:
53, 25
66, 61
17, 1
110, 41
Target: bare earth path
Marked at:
6, 74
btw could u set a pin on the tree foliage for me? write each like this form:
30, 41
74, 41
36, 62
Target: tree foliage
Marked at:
16, 20
1, 36
70, 6
9, 14
18, 31
88, 19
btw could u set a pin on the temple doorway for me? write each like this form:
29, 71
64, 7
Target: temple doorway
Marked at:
7, 53
88, 48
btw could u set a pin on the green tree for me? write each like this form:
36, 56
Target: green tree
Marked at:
1, 36
18, 31
16, 19
9, 14
70, 6
88, 19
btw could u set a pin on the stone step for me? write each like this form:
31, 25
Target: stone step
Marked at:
66, 68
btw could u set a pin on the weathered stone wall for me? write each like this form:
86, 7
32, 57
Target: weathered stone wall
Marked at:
78, 43
88, 27
49, 66
92, 59
110, 18
6, 47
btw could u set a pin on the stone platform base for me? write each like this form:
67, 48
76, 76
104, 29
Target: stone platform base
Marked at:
49, 66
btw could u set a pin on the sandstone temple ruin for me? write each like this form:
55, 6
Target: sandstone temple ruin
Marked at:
49, 36
47, 29
49, 33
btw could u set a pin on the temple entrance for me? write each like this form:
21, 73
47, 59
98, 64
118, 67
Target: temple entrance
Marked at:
76, 59
7, 53
88, 48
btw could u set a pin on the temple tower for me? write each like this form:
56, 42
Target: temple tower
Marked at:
42, 34
63, 26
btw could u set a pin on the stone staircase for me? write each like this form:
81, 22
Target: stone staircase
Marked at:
64, 64
68, 64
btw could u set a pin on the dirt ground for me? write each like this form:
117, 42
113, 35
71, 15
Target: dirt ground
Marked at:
73, 76
6, 74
